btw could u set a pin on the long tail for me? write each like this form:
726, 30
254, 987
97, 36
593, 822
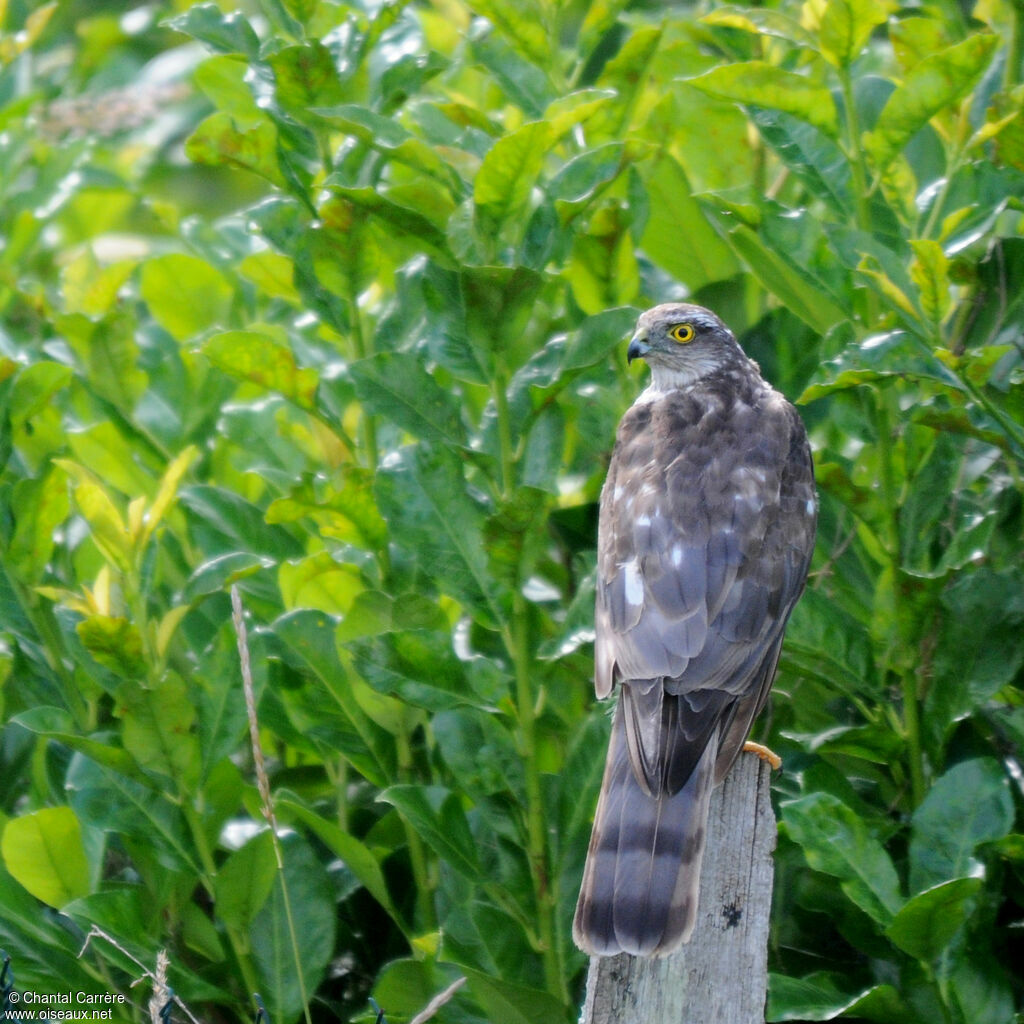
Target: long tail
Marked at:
639, 892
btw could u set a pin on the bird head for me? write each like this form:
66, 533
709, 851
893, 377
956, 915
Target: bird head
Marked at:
682, 342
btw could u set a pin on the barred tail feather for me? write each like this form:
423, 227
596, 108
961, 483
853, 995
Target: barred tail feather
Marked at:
640, 882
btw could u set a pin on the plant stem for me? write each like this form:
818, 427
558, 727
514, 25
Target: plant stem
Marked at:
854, 153
516, 636
417, 852
899, 639
362, 348
518, 643
1015, 52
505, 445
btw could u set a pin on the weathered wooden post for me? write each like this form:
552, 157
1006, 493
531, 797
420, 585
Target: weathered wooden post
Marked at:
721, 975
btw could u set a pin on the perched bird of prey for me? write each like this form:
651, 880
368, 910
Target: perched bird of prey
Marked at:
706, 530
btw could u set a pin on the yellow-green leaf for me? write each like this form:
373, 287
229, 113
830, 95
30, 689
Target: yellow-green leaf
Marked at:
185, 294
765, 85
509, 170
567, 112
168, 624
846, 27
256, 357
272, 273
115, 643
219, 140
930, 272
168, 490
158, 720
319, 582
107, 527
43, 851
888, 288
933, 85
90, 288
520, 21
761, 21
39, 507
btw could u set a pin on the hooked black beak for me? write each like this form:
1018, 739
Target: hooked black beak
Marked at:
638, 348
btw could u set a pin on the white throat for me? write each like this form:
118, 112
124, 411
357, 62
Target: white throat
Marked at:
674, 378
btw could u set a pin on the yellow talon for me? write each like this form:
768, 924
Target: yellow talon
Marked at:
764, 753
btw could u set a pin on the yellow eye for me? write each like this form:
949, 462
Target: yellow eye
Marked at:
681, 333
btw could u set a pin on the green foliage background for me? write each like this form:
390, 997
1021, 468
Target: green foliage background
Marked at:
326, 301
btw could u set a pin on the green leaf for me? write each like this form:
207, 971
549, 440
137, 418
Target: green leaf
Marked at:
422, 494
980, 648
436, 814
244, 881
220, 572
44, 852
236, 523
258, 358
105, 523
221, 141
481, 753
395, 385
928, 922
272, 273
305, 77
184, 293
406, 986
931, 86
680, 239
565, 113
760, 21
167, 490
765, 85
356, 856
522, 23
418, 666
603, 270
836, 842
627, 74
115, 643
400, 215
508, 1003
387, 135
158, 720
57, 724
815, 159
319, 582
222, 79
846, 27
930, 272
91, 288
309, 637
344, 509
895, 354
39, 507
824, 996
114, 458
280, 955
798, 291
508, 172
970, 804
228, 33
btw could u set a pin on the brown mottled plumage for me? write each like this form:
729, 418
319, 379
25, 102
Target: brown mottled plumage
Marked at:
706, 531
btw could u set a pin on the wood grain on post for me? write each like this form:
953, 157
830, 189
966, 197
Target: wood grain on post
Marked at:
721, 975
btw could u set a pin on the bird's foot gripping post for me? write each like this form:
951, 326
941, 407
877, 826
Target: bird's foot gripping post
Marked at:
721, 975
765, 753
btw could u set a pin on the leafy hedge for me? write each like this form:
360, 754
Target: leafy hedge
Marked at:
325, 302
